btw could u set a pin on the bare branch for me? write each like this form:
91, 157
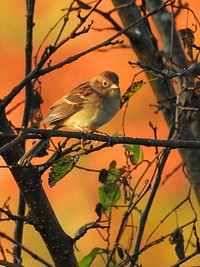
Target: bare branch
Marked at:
109, 140
37, 71
12, 217
33, 255
146, 211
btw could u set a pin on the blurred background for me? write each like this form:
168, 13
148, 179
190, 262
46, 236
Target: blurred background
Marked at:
75, 197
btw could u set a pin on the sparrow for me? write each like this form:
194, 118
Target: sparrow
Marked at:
86, 108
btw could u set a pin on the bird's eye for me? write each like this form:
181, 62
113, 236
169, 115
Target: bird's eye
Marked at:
105, 84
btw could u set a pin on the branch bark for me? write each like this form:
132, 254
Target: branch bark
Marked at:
19, 225
145, 46
43, 218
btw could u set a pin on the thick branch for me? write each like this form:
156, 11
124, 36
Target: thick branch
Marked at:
38, 71
167, 29
145, 46
43, 218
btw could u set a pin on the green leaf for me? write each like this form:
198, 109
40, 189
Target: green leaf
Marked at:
61, 167
113, 174
134, 88
109, 194
113, 164
136, 153
129, 148
88, 259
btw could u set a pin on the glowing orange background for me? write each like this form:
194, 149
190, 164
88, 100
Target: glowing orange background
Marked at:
74, 198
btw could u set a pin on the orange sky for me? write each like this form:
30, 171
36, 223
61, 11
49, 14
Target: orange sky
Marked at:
71, 210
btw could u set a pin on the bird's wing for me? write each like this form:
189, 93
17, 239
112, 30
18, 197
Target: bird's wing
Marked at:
68, 105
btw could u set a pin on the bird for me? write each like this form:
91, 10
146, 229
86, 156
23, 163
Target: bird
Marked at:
86, 108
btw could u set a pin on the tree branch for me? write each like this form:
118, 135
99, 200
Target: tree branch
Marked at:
36, 257
145, 213
19, 224
37, 71
34, 133
59, 244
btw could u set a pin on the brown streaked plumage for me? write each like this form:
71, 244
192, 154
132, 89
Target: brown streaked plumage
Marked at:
86, 108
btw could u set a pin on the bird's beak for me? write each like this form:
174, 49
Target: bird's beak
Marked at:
114, 86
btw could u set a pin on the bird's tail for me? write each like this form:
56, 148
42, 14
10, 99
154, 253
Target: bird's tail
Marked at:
32, 152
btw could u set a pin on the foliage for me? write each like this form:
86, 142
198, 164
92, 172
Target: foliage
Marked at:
130, 221
61, 168
88, 259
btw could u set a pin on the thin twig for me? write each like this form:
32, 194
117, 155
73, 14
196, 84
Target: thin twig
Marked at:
109, 140
19, 224
35, 256
37, 71
12, 217
145, 213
